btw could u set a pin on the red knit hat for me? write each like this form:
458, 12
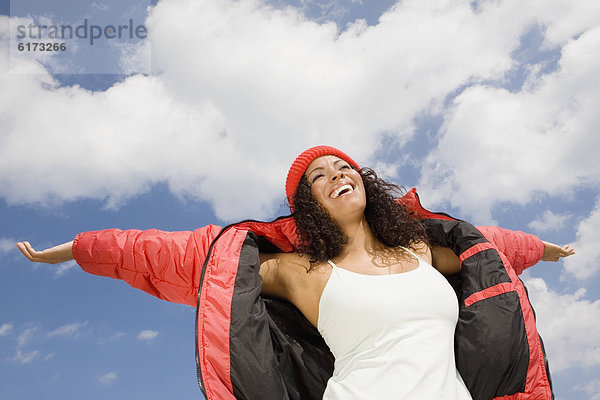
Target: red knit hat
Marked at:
302, 162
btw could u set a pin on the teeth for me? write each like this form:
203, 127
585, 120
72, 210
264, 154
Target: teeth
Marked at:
337, 192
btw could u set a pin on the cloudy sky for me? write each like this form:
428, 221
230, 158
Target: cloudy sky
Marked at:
489, 108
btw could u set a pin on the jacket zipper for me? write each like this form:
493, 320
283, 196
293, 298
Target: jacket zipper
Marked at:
208, 254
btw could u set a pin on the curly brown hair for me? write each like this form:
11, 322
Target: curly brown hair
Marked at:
391, 223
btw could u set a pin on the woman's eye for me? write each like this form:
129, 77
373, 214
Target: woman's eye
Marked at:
345, 167
316, 177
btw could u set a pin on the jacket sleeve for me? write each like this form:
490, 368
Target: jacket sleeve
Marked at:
521, 249
167, 265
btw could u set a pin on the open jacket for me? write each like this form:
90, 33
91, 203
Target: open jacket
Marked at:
252, 347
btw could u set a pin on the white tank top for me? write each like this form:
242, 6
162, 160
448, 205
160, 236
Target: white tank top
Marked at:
392, 336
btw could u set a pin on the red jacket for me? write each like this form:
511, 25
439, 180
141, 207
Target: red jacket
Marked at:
250, 347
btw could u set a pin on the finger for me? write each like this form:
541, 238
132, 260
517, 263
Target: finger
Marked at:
31, 253
23, 247
567, 250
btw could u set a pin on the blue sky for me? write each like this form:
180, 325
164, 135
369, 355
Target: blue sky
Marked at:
488, 107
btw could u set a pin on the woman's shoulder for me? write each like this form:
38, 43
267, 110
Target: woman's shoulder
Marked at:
285, 273
285, 260
422, 250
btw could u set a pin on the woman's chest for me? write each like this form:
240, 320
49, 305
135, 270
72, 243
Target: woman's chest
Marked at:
356, 311
391, 299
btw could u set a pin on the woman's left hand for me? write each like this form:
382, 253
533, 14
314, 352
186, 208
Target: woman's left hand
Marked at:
554, 252
54, 255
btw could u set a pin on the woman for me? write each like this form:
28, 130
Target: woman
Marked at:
357, 266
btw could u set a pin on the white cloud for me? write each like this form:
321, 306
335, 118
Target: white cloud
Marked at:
587, 261
591, 389
110, 338
7, 245
68, 330
261, 85
24, 357
498, 146
65, 267
327, 10
6, 329
107, 379
570, 339
26, 336
17, 64
100, 6
147, 335
549, 221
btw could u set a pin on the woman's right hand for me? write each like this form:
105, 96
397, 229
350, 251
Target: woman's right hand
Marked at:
554, 252
54, 255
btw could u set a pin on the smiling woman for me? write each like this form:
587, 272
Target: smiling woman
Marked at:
344, 296
389, 221
337, 187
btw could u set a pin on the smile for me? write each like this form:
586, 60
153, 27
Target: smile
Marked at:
341, 191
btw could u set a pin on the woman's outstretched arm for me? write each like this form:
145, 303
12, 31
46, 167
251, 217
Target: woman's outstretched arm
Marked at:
445, 261
54, 255
524, 250
167, 265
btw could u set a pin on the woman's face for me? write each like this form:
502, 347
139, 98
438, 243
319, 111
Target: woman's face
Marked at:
337, 187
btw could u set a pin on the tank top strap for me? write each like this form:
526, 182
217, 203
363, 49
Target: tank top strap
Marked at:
411, 252
332, 263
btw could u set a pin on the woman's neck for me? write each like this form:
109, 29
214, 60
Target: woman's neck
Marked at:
360, 239
364, 247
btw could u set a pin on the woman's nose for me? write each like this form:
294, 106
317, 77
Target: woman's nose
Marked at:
337, 175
